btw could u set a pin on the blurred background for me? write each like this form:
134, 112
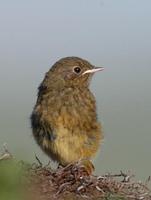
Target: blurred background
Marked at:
114, 34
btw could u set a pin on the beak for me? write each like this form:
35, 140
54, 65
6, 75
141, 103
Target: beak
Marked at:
95, 69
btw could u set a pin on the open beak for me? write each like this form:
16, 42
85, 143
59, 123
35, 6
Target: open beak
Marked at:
95, 69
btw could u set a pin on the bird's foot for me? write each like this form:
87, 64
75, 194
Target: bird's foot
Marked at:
86, 166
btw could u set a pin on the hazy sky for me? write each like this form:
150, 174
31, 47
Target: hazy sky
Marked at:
114, 34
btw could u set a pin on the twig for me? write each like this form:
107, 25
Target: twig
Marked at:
39, 162
6, 155
126, 177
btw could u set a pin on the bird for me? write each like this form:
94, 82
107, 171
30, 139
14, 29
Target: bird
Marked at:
64, 119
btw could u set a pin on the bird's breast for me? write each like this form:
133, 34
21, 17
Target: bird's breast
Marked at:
72, 110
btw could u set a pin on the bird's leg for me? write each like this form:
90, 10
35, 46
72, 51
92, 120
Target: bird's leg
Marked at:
60, 166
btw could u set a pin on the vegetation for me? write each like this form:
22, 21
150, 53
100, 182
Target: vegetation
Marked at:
19, 180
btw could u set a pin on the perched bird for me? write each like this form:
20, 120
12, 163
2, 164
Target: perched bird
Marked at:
64, 120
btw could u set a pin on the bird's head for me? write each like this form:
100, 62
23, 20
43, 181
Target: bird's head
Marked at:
70, 72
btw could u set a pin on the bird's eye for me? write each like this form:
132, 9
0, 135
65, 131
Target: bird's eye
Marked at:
77, 70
